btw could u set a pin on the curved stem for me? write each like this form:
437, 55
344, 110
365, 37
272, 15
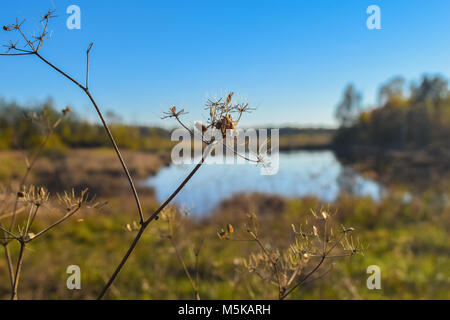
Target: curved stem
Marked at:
108, 131
14, 295
147, 222
27, 173
9, 262
144, 223
123, 261
183, 264
58, 222
288, 292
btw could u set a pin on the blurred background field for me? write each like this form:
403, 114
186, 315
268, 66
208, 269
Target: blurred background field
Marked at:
376, 154
392, 188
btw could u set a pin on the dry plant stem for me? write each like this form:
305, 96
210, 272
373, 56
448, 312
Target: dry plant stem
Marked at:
9, 263
67, 216
197, 254
14, 295
30, 215
194, 284
8, 258
149, 220
284, 281
87, 64
274, 263
144, 224
108, 131
15, 211
27, 173
207, 142
288, 292
183, 264
124, 260
8, 232
324, 256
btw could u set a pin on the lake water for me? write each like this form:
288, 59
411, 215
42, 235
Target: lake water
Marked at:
301, 173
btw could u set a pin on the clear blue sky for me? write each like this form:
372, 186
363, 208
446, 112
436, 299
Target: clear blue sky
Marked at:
291, 59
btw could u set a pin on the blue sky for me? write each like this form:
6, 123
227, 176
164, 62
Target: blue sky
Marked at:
291, 59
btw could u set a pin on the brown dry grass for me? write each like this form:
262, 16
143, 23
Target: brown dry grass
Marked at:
96, 169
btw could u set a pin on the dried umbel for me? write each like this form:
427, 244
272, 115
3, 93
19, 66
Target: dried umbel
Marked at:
32, 47
37, 196
66, 110
220, 128
20, 232
35, 199
300, 262
224, 124
221, 115
15, 229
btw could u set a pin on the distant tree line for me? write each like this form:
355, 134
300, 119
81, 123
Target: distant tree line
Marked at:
402, 119
25, 127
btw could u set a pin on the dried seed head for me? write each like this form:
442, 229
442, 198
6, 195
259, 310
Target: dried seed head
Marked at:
324, 215
229, 98
200, 127
222, 234
346, 230
6, 28
66, 110
173, 113
20, 194
224, 124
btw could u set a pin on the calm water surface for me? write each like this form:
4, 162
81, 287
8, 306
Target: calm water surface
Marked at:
301, 173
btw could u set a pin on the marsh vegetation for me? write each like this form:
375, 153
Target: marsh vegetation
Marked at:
104, 197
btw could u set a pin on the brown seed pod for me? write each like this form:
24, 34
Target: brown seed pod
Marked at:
222, 234
201, 127
229, 98
66, 110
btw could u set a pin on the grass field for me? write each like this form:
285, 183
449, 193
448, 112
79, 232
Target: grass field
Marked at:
409, 241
